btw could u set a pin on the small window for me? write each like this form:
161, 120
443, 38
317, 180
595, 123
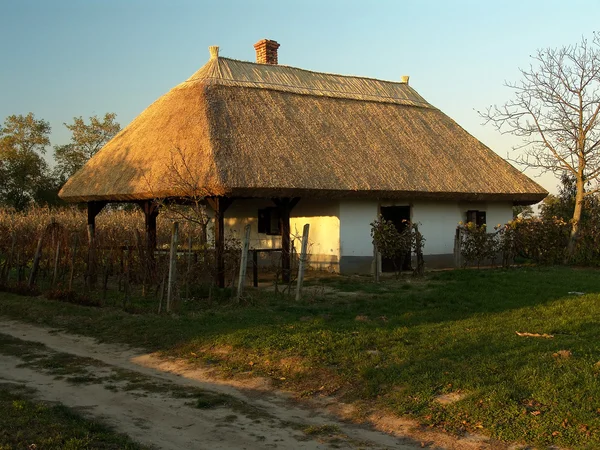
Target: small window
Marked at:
478, 217
268, 221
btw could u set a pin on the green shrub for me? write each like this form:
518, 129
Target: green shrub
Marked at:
478, 245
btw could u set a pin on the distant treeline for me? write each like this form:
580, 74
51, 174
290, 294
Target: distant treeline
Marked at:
26, 178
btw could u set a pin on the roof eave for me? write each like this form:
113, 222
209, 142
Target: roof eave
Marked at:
527, 198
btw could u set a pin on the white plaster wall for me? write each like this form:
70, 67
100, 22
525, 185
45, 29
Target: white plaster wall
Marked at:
438, 221
245, 212
343, 228
355, 229
498, 214
324, 234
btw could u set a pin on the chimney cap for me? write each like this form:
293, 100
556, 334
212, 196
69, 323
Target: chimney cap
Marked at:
214, 51
404, 79
269, 42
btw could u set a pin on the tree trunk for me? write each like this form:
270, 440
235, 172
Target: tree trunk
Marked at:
577, 213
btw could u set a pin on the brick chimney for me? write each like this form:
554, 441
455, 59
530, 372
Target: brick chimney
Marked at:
266, 51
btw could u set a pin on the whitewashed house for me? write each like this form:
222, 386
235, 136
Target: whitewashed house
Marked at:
262, 141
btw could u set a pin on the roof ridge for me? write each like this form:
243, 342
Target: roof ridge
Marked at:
310, 71
232, 72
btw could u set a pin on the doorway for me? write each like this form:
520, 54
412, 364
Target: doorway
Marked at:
400, 217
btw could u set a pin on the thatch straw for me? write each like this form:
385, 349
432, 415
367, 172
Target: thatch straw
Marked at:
254, 130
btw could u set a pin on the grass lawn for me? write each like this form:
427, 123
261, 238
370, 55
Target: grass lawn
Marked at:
27, 423
398, 346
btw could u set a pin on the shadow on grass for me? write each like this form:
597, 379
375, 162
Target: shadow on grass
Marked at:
442, 297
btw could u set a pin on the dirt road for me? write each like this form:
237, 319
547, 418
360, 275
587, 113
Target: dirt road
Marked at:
149, 398
166, 404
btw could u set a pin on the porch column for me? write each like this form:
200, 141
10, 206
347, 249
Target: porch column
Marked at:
150, 210
219, 206
285, 206
93, 209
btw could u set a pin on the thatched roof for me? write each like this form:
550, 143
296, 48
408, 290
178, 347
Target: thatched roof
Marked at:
256, 130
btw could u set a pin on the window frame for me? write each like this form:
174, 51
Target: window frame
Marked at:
477, 216
269, 221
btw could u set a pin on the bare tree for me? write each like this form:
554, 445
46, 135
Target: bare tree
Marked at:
190, 204
183, 179
555, 111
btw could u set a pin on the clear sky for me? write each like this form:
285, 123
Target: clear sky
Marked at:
66, 58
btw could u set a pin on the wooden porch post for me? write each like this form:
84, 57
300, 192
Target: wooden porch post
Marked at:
219, 206
150, 209
93, 208
285, 206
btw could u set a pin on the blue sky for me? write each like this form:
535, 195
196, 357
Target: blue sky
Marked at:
69, 58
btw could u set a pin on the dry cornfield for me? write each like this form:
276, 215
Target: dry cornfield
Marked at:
122, 262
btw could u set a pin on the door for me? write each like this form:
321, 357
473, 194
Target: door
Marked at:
400, 217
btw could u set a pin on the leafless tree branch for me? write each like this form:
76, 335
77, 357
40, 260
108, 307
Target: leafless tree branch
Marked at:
555, 109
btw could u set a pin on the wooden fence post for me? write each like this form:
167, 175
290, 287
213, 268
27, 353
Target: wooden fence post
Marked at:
302, 262
419, 251
172, 266
161, 295
73, 256
143, 261
126, 275
189, 268
376, 269
56, 261
458, 238
243, 262
20, 269
10, 257
36, 261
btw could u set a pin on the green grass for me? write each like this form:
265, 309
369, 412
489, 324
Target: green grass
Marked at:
399, 345
25, 422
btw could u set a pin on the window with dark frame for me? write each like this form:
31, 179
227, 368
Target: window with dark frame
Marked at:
477, 217
268, 221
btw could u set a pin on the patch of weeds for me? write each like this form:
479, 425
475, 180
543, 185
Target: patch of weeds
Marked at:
83, 379
209, 400
250, 411
29, 423
314, 430
63, 364
37, 356
128, 380
11, 346
125, 380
